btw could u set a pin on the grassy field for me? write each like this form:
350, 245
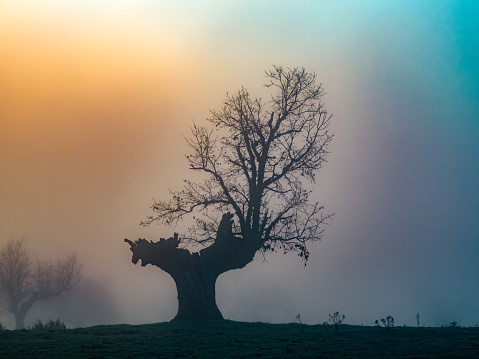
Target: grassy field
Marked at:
228, 339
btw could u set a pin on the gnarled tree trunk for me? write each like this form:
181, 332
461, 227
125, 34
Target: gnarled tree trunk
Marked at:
19, 319
20, 312
196, 293
195, 274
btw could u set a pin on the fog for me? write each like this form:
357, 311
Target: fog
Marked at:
95, 98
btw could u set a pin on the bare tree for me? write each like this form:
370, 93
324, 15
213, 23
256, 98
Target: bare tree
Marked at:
255, 159
24, 281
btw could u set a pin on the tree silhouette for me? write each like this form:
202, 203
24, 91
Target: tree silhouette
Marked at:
255, 158
24, 281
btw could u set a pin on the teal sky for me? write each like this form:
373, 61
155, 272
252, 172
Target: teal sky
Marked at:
402, 81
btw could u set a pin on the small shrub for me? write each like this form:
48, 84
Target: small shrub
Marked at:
336, 320
387, 323
50, 325
37, 326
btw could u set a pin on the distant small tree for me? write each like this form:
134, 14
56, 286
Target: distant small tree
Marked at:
336, 320
24, 281
418, 317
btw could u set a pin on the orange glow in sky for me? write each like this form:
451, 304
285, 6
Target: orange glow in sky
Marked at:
82, 107
48, 69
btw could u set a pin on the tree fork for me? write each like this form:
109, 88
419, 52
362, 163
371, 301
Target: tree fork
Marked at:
195, 274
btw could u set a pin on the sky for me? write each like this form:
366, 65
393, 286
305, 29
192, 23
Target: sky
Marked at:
95, 97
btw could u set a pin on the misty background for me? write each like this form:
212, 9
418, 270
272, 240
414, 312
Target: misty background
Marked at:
95, 98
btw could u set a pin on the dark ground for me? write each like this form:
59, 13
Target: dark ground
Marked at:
228, 339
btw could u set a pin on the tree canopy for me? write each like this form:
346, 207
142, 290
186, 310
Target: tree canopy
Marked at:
257, 158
